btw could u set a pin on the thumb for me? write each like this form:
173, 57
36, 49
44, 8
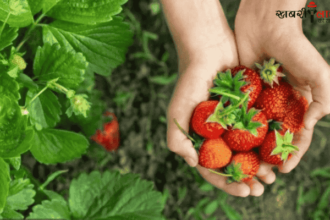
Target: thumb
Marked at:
180, 144
313, 114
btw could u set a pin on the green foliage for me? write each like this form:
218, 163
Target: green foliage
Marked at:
51, 146
110, 38
92, 197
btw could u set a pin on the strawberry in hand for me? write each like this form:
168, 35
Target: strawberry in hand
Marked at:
237, 82
277, 147
210, 119
213, 153
108, 138
242, 168
248, 131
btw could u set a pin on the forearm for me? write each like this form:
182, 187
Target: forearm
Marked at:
196, 25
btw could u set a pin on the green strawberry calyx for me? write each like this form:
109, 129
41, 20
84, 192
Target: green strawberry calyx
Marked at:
244, 120
274, 125
284, 145
233, 171
268, 72
226, 116
228, 86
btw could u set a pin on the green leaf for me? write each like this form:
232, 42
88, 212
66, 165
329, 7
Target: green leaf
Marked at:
211, 207
26, 81
9, 213
51, 146
86, 11
18, 185
91, 197
23, 146
12, 124
163, 80
4, 186
104, 45
19, 13
53, 195
45, 110
54, 61
51, 178
324, 201
15, 162
322, 172
9, 87
54, 209
48, 4
231, 213
22, 199
36, 5
8, 35
311, 195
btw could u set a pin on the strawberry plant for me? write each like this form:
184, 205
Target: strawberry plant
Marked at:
50, 52
91, 196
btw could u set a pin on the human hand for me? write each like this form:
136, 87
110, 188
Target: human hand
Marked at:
260, 34
191, 89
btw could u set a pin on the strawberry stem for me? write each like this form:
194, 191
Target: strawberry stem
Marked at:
228, 110
221, 174
36, 96
220, 92
183, 131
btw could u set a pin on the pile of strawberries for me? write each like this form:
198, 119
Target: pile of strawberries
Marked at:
253, 118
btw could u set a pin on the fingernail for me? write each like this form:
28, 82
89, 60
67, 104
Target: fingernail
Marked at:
191, 162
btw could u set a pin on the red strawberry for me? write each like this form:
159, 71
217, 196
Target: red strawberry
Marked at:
294, 117
214, 153
270, 73
248, 132
199, 117
210, 118
277, 147
273, 101
243, 167
253, 83
234, 83
109, 137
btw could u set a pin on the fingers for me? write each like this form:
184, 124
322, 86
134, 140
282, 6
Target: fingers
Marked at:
180, 144
265, 173
256, 188
302, 140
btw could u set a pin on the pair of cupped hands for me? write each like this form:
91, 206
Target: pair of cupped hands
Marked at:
256, 37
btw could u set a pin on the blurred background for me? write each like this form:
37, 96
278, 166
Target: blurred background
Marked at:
139, 91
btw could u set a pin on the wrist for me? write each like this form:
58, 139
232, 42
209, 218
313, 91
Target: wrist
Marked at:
218, 56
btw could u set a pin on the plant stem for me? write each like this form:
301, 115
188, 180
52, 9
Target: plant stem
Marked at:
3, 26
61, 88
183, 131
36, 96
215, 90
221, 174
28, 33
226, 111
